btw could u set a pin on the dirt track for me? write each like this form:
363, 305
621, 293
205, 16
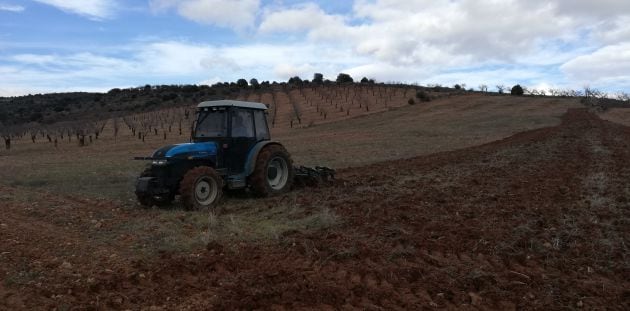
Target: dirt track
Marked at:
537, 220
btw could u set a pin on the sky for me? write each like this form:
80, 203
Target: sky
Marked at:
96, 45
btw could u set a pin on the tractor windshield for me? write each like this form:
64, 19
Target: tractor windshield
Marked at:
211, 123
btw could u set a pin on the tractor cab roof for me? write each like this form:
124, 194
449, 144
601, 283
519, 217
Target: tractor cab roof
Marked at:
232, 103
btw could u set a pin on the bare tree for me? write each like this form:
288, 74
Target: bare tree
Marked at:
623, 96
501, 88
116, 124
6, 132
575, 93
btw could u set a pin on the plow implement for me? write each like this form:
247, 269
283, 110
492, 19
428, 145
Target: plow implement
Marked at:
312, 177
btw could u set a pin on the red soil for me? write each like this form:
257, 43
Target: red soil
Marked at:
539, 220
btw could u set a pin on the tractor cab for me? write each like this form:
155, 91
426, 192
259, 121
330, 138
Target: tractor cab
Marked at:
234, 126
230, 147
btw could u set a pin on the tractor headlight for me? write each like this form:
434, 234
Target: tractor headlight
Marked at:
159, 162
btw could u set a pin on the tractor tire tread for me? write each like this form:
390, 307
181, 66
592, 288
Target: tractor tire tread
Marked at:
258, 179
187, 188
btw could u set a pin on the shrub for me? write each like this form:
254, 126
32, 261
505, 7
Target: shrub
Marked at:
295, 80
318, 78
423, 96
242, 83
254, 82
344, 78
411, 101
517, 90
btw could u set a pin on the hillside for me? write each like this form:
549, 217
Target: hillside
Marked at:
536, 220
158, 110
63, 107
470, 199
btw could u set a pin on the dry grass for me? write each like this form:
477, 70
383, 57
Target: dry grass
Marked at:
258, 223
441, 125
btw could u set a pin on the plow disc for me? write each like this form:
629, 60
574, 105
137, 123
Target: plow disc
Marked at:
312, 177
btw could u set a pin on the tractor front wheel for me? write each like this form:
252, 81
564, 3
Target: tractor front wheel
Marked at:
273, 173
201, 189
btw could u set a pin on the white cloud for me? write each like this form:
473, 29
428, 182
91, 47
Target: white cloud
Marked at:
93, 9
385, 72
235, 14
562, 43
609, 65
421, 32
304, 17
613, 31
11, 8
173, 58
422, 39
286, 71
167, 62
210, 81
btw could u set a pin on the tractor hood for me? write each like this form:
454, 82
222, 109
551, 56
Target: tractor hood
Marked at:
187, 150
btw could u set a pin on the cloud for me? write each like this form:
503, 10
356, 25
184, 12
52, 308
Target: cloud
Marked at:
480, 40
93, 9
166, 62
422, 32
609, 65
286, 71
613, 31
234, 14
562, 43
590, 9
11, 8
305, 17
172, 58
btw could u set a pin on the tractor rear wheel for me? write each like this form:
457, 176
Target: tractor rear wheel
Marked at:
148, 200
201, 189
273, 173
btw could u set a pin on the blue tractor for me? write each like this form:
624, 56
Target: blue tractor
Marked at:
230, 148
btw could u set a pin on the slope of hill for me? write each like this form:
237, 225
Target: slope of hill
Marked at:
534, 221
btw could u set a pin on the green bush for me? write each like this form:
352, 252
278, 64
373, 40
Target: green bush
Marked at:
242, 83
344, 78
517, 90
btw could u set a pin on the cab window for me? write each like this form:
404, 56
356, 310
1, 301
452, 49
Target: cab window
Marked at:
262, 132
211, 123
242, 123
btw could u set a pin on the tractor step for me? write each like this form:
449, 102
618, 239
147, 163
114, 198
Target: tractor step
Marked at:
308, 176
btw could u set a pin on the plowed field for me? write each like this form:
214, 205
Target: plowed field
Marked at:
539, 220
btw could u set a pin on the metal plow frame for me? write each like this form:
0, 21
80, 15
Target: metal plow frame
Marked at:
312, 177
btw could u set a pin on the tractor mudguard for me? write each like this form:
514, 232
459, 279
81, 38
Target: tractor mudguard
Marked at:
250, 164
